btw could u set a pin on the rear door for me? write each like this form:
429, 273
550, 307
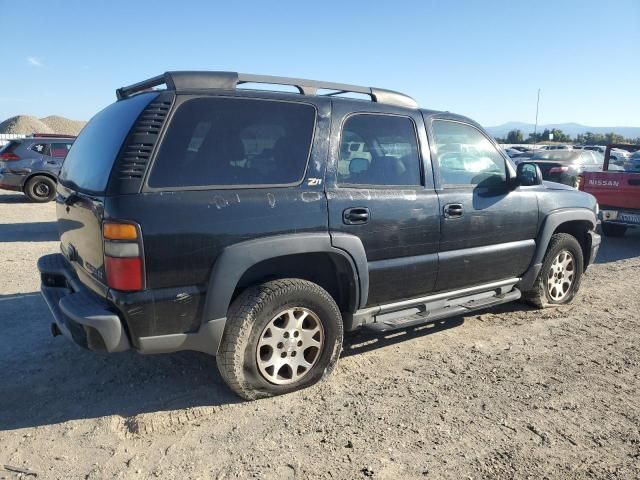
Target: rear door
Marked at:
488, 229
380, 191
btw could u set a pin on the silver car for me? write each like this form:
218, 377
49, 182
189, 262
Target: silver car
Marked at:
31, 165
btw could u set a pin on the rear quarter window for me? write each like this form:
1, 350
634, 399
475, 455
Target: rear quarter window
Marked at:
224, 142
91, 158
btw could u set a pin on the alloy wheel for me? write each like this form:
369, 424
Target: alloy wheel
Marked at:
290, 345
561, 275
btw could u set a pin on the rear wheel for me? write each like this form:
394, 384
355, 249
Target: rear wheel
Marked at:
613, 230
40, 189
561, 273
280, 336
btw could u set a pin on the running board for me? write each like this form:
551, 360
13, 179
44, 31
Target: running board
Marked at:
437, 310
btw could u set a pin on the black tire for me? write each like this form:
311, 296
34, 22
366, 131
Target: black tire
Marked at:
613, 230
247, 319
40, 189
539, 296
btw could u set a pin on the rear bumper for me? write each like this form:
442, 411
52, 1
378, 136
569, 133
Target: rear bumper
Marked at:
79, 314
618, 216
12, 181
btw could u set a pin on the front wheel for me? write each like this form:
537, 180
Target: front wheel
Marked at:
280, 336
561, 273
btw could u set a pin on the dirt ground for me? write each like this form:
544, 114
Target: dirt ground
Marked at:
508, 393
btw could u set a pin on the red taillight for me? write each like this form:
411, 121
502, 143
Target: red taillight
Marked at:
558, 169
124, 273
123, 256
8, 157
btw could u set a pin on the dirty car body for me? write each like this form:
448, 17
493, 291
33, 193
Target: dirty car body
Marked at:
376, 202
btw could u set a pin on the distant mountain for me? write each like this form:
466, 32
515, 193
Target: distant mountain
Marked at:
572, 129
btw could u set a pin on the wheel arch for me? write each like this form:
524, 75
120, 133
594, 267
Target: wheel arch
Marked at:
310, 256
574, 221
37, 174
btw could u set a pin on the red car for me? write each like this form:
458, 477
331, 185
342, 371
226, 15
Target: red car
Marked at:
618, 192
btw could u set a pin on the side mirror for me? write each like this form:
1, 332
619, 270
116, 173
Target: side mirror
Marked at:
528, 174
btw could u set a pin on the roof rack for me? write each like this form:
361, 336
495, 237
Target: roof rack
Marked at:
230, 80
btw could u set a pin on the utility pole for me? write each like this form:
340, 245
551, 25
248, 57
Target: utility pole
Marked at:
535, 128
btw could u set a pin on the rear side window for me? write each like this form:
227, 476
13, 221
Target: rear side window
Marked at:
41, 148
89, 162
379, 150
231, 141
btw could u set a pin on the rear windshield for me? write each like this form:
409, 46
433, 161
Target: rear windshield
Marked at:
89, 162
222, 142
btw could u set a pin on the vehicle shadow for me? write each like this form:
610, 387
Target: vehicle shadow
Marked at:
14, 198
46, 380
29, 232
613, 249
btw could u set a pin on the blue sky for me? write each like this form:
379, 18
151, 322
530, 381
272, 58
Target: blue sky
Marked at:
485, 59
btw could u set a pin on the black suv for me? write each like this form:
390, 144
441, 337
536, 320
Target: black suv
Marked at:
258, 225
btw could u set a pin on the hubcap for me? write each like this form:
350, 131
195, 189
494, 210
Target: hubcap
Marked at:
290, 345
41, 189
561, 275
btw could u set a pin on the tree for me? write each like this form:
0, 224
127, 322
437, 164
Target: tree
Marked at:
559, 136
515, 136
613, 138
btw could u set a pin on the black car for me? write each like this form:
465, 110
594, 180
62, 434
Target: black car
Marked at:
258, 226
566, 166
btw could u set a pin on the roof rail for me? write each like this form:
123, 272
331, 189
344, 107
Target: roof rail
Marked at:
230, 80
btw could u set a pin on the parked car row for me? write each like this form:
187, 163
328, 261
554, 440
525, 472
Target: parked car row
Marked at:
566, 163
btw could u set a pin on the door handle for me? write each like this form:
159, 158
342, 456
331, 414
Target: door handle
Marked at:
355, 216
453, 210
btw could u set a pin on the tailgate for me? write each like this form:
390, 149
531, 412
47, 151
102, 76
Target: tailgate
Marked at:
80, 228
614, 189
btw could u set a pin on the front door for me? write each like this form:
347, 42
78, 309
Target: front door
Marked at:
379, 190
488, 229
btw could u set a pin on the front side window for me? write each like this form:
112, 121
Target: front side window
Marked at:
466, 156
234, 141
379, 150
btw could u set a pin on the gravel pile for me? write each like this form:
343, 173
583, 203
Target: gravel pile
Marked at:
63, 125
26, 125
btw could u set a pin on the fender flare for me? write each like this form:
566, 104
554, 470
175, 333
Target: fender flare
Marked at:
551, 222
236, 259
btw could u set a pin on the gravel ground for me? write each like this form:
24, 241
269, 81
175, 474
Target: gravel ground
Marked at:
508, 393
